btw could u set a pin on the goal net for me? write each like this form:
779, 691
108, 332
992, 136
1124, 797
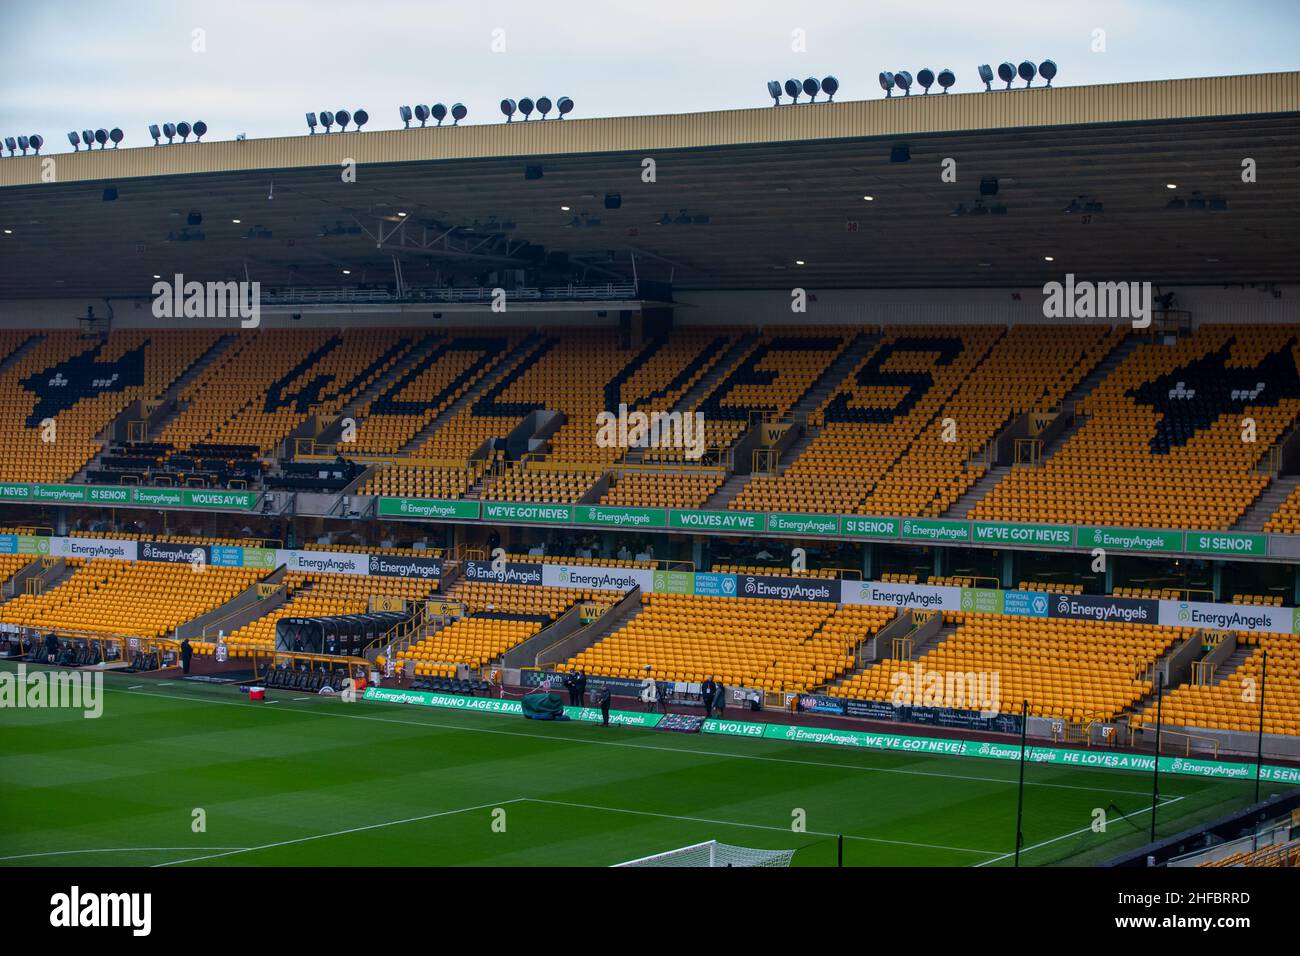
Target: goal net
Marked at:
714, 853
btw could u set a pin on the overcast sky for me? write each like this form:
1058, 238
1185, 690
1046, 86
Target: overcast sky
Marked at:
256, 67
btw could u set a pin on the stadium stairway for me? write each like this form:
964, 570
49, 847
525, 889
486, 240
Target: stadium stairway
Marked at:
16, 355
705, 386
1266, 505
525, 348
962, 506
415, 353
809, 402
171, 396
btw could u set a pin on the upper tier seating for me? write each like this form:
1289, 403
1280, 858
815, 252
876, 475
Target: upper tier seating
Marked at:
1162, 443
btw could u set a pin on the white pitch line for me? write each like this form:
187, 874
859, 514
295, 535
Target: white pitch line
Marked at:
753, 826
678, 750
1066, 836
135, 687
123, 849
324, 836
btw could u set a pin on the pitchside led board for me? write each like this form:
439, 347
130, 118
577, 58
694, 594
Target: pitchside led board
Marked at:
915, 597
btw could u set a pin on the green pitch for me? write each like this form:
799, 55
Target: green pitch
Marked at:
312, 781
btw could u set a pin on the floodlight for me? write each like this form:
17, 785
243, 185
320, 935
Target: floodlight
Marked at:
88, 135
458, 112
200, 129
343, 118
887, 82
1007, 73
326, 119
101, 137
22, 144
925, 78
544, 105
774, 91
903, 80
405, 113
116, 135
1047, 69
564, 105
986, 76
1027, 72
37, 141
526, 107
11, 144
182, 129
947, 78
812, 86
74, 139
311, 123
508, 108
830, 86
439, 112
422, 113
792, 90
361, 118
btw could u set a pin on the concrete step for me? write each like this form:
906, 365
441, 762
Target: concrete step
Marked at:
1266, 505
975, 493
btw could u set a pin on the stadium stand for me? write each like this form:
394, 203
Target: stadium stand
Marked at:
139, 599
1156, 451
82, 385
1074, 670
1232, 703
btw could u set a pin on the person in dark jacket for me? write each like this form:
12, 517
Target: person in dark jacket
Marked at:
187, 653
570, 683
602, 701
707, 691
51, 647
720, 699
580, 685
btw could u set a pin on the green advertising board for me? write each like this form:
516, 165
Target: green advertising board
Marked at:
158, 497
786, 523
1129, 539
982, 600
108, 495
10, 491
717, 520
674, 582
428, 508
525, 511
795, 733
259, 558
33, 544
227, 500
59, 494
935, 529
621, 517
1222, 542
1005, 532
869, 526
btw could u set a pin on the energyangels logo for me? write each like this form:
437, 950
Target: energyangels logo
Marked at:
476, 571
787, 592
601, 580
906, 597
1130, 541
822, 736
1102, 612
59, 494
425, 570
952, 532
1224, 620
105, 550
308, 563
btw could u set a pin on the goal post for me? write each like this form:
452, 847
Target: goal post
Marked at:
712, 853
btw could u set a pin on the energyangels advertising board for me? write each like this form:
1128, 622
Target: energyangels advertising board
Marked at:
870, 741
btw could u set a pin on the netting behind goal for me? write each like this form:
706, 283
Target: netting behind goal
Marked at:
714, 853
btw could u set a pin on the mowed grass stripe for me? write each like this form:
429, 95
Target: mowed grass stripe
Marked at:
273, 775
